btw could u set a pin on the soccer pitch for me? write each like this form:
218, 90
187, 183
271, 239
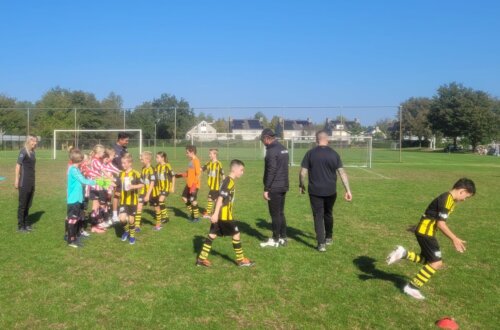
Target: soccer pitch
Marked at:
154, 284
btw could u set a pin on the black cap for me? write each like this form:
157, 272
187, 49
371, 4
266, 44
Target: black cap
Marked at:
267, 132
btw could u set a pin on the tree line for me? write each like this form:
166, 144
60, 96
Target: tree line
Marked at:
455, 112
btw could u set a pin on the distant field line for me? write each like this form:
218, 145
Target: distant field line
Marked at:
374, 173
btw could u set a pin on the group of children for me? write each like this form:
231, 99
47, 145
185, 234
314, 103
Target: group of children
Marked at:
135, 189
94, 178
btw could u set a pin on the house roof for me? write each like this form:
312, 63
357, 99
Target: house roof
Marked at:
296, 125
253, 124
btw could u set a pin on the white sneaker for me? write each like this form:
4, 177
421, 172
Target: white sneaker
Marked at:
116, 219
85, 233
110, 222
415, 293
396, 255
270, 242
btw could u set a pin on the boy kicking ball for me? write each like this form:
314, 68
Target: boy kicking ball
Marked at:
432, 220
223, 223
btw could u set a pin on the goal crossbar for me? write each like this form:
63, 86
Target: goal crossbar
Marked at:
94, 131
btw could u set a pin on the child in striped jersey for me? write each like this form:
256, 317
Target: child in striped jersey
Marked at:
433, 219
128, 184
165, 184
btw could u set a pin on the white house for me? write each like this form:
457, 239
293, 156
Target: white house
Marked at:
203, 131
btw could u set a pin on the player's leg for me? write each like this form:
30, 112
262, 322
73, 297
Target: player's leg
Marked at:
138, 215
194, 205
187, 202
131, 225
123, 217
202, 259
430, 252
230, 226
210, 205
163, 207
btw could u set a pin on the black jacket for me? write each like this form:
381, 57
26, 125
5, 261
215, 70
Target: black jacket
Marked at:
276, 168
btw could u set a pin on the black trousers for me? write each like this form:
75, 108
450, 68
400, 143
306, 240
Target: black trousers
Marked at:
276, 206
25, 199
322, 208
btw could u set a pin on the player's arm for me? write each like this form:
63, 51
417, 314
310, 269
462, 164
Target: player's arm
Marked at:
271, 169
218, 205
80, 178
16, 178
345, 182
302, 179
457, 242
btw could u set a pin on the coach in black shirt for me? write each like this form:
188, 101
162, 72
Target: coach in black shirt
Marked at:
275, 186
321, 164
120, 148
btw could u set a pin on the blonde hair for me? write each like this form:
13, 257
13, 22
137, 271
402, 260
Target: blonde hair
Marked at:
27, 143
127, 157
96, 149
147, 154
214, 150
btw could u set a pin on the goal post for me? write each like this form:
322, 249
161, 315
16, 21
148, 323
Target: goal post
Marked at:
355, 151
77, 133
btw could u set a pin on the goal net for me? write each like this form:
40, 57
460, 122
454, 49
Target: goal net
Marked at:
86, 139
354, 151
243, 146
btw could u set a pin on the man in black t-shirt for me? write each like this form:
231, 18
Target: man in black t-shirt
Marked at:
321, 164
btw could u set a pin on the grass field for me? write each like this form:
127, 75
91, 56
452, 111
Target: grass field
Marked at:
109, 284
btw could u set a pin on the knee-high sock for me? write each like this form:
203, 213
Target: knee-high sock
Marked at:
423, 276
196, 211
210, 205
238, 250
158, 217
413, 257
138, 218
131, 230
205, 250
163, 210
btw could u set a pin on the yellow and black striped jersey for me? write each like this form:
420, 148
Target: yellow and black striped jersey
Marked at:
164, 175
438, 210
148, 176
215, 174
125, 179
227, 193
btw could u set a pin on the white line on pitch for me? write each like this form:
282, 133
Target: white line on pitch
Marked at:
378, 174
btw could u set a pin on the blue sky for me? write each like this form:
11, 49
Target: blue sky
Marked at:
252, 53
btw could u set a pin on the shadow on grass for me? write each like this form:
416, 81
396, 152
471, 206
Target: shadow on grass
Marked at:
198, 243
367, 266
292, 233
178, 213
35, 217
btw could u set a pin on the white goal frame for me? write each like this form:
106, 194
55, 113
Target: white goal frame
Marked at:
54, 139
348, 139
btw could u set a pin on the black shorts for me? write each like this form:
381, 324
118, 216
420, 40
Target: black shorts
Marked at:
191, 197
429, 248
213, 195
99, 195
224, 228
74, 210
127, 209
154, 201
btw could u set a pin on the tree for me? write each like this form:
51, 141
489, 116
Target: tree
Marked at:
414, 114
457, 111
12, 120
221, 125
163, 110
262, 117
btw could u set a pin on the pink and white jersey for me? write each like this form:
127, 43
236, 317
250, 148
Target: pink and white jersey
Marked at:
95, 171
109, 167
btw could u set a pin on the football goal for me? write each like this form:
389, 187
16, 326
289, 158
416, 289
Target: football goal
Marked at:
86, 139
355, 151
244, 146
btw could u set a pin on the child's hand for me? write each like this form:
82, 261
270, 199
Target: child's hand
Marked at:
214, 218
459, 245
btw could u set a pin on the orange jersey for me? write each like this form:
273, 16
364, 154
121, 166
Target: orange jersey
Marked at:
193, 173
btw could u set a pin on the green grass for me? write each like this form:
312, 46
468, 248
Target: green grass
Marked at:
109, 284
